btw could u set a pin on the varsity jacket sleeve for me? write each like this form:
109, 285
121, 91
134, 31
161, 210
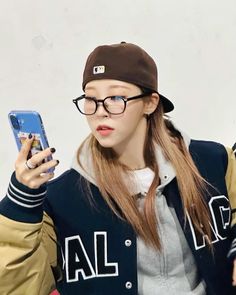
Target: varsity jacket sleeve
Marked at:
27, 242
231, 188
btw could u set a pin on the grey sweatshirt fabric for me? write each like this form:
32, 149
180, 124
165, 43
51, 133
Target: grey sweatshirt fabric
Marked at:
173, 270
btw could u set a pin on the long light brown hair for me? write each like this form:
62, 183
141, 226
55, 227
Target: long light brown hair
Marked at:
110, 177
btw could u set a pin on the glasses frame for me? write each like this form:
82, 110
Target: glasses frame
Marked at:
102, 101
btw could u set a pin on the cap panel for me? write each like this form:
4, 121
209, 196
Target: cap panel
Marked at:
126, 62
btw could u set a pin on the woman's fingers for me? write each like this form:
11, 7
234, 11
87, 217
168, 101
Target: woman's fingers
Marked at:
25, 149
44, 168
32, 172
34, 178
38, 158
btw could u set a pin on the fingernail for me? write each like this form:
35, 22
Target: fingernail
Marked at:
52, 150
30, 136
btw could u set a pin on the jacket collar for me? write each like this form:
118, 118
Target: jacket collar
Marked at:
166, 170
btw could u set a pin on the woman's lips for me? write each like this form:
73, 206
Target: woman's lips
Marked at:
104, 130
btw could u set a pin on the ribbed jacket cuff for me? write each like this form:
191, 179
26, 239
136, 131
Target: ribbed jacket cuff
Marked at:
23, 203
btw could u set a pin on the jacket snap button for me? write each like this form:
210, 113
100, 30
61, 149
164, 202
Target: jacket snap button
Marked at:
128, 243
128, 285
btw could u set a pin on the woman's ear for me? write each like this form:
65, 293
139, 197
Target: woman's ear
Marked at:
151, 104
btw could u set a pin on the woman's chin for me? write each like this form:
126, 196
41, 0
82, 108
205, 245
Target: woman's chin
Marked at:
105, 143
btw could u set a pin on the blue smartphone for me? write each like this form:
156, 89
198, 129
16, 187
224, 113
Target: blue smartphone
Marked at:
25, 122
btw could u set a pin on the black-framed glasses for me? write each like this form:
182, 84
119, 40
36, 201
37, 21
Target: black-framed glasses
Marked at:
114, 105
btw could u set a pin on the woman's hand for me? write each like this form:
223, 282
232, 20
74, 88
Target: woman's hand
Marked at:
26, 174
234, 273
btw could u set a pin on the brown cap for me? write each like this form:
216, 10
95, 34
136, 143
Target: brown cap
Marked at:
125, 62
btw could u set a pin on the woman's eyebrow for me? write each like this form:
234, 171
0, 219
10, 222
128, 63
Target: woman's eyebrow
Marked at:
111, 87
118, 86
89, 88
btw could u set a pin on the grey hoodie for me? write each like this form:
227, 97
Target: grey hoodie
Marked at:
173, 270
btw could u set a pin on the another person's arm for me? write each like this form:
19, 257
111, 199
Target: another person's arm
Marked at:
231, 187
27, 237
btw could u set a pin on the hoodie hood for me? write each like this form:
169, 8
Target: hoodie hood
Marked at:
86, 169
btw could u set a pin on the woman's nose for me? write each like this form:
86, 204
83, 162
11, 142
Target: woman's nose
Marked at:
101, 111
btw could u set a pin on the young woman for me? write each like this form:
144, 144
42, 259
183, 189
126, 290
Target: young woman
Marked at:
143, 210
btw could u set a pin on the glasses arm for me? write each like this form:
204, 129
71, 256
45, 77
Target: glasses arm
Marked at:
137, 96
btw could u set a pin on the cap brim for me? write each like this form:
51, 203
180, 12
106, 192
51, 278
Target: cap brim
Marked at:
167, 104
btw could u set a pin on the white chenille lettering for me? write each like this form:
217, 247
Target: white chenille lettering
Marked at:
75, 254
77, 262
108, 269
220, 210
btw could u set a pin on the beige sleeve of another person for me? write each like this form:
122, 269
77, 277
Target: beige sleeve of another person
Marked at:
231, 183
27, 255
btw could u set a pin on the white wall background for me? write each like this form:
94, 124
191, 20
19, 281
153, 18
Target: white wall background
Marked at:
44, 44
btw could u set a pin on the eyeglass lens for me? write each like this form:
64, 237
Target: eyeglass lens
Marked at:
112, 104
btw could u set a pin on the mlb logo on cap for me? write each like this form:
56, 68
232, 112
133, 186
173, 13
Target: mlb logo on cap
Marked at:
98, 70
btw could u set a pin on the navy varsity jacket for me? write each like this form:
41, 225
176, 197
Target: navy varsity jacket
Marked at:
89, 250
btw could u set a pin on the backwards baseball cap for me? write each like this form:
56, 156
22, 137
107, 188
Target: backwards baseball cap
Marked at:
125, 62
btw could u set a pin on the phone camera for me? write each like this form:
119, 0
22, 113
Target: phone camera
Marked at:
15, 122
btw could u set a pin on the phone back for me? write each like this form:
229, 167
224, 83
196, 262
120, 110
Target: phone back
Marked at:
25, 122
